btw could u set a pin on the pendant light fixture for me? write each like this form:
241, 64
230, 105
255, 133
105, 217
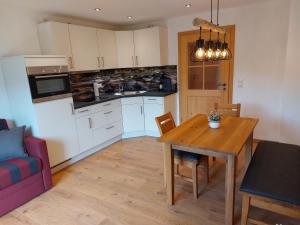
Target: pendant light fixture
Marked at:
211, 50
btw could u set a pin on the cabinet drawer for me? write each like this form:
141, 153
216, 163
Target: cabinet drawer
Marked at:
107, 132
154, 100
132, 100
108, 116
107, 105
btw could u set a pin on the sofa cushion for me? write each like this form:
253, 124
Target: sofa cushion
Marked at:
14, 170
274, 172
12, 143
3, 124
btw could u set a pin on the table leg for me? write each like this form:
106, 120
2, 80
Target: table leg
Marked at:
248, 151
230, 189
169, 172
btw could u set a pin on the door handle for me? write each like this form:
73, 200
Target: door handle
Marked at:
98, 60
136, 60
103, 64
72, 108
90, 123
141, 110
132, 58
71, 62
223, 86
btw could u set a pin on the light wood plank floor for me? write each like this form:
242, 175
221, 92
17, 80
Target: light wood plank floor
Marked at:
123, 185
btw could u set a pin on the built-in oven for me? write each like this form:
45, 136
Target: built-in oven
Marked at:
49, 82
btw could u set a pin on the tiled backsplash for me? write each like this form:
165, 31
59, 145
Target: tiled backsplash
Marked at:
147, 78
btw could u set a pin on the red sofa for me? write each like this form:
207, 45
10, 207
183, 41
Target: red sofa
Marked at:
32, 178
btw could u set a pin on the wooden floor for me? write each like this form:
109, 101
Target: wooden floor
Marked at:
123, 185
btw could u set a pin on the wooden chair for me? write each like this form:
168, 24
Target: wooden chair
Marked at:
166, 123
228, 110
271, 183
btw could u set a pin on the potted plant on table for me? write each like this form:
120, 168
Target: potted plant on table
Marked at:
214, 118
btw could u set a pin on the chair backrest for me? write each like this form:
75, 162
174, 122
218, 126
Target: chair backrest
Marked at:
3, 124
165, 123
228, 109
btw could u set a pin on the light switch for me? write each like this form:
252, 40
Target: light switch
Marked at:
240, 83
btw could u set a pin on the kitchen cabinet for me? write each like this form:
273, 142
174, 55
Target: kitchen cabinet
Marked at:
153, 107
59, 131
150, 46
107, 44
84, 44
84, 132
133, 115
125, 49
98, 123
55, 39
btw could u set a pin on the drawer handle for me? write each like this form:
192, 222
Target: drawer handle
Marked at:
90, 123
151, 99
108, 112
83, 111
107, 104
110, 127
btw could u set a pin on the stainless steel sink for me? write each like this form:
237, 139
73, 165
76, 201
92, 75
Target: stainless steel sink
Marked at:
130, 93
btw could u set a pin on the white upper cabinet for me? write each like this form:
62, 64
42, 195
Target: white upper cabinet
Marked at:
84, 43
125, 49
55, 40
107, 43
150, 47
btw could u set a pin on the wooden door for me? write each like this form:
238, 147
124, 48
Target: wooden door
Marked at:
125, 49
107, 43
203, 83
84, 44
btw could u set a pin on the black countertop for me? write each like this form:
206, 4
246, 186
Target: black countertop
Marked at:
109, 97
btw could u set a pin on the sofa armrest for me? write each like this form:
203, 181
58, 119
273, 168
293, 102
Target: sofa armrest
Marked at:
37, 148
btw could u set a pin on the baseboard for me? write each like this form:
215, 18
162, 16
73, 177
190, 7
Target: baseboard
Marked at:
84, 155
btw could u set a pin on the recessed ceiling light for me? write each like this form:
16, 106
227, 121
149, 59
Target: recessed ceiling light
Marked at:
188, 5
97, 9
130, 17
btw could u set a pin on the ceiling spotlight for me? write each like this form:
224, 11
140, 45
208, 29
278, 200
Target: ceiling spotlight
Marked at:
97, 9
130, 17
188, 5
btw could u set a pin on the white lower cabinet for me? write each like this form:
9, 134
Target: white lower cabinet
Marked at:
107, 132
85, 133
56, 124
99, 123
133, 115
151, 112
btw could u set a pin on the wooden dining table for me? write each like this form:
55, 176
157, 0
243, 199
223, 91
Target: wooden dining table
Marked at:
194, 135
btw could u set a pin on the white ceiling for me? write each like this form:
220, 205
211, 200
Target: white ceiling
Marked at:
116, 11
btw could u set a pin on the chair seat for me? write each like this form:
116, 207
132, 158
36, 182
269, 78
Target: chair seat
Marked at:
274, 172
186, 155
15, 170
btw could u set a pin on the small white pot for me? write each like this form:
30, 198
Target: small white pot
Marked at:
214, 124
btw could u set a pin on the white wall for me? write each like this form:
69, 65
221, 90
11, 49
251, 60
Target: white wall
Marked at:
261, 39
18, 36
290, 122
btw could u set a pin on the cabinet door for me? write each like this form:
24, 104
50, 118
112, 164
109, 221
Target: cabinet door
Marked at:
55, 39
133, 117
84, 132
147, 47
152, 111
125, 49
56, 124
84, 44
107, 43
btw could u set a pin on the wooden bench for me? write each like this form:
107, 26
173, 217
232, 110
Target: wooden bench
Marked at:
272, 181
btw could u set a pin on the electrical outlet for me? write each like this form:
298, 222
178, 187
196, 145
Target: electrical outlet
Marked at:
240, 83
